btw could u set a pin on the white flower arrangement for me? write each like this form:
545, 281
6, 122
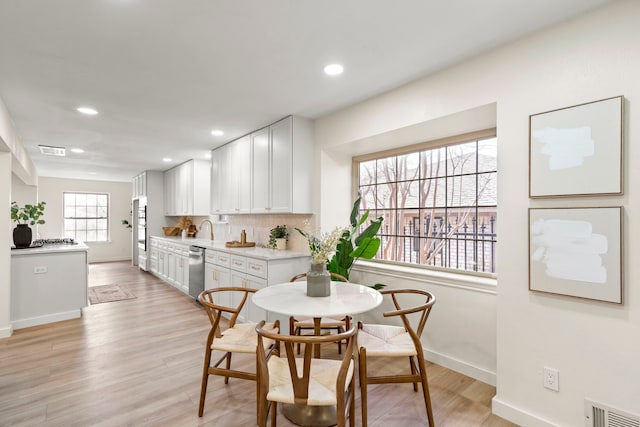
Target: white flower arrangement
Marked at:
322, 245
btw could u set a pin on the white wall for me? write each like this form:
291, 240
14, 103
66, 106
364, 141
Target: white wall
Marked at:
118, 248
594, 345
5, 249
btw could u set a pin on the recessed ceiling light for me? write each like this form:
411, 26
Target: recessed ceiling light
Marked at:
208, 155
87, 110
77, 150
217, 132
166, 159
333, 69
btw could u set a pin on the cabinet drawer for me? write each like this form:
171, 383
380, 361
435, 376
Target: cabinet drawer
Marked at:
257, 267
216, 257
238, 263
210, 256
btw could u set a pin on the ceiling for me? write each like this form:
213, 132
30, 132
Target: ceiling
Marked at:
164, 73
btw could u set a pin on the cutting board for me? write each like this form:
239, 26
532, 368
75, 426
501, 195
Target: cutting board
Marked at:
236, 244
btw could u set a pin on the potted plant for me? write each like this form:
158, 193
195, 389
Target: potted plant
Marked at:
25, 216
278, 237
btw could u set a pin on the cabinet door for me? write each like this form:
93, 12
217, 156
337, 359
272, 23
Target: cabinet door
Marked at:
215, 183
255, 313
142, 188
134, 187
281, 166
185, 188
182, 270
171, 267
239, 280
228, 179
242, 172
261, 153
170, 192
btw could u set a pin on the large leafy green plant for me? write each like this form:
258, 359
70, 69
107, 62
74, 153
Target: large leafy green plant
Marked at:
355, 244
28, 214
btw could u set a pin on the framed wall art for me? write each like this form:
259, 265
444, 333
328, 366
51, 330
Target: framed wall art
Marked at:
577, 252
578, 150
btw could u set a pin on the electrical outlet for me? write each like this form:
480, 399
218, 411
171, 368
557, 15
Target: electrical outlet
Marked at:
550, 379
39, 270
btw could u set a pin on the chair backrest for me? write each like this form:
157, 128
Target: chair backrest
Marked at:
334, 276
214, 310
301, 382
423, 309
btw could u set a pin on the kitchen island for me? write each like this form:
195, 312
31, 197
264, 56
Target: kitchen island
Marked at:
48, 283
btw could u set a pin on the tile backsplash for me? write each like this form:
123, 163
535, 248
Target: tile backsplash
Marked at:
257, 228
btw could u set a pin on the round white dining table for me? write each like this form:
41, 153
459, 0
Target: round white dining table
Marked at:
291, 299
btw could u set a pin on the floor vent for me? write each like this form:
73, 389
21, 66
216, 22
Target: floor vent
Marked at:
600, 415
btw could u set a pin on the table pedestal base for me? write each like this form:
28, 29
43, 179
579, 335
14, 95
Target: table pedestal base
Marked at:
310, 416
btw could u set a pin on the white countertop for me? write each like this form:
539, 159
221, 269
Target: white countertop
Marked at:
254, 252
48, 249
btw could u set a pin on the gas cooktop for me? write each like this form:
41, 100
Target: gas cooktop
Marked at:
63, 241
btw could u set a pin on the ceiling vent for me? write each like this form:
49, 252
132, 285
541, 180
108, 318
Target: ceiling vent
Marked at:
52, 151
600, 415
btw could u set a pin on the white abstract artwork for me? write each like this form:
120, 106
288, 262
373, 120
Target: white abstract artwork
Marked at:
576, 252
577, 150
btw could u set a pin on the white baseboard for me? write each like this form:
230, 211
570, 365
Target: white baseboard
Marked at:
517, 415
472, 371
49, 318
6, 332
108, 259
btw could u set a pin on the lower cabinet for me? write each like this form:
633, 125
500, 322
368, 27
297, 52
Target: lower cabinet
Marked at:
170, 262
223, 269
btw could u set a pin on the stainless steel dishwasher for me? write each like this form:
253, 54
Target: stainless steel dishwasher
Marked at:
196, 270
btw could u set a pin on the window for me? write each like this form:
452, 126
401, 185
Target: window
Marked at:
438, 201
86, 216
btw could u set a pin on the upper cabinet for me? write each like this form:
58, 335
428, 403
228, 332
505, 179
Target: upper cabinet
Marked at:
187, 189
268, 171
139, 185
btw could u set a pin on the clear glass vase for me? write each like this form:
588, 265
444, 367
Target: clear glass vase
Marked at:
318, 281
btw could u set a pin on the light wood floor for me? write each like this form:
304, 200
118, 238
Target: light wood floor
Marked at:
138, 362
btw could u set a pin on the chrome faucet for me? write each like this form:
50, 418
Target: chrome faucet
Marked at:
210, 227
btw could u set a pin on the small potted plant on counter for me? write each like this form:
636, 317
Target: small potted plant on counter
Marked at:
278, 237
25, 216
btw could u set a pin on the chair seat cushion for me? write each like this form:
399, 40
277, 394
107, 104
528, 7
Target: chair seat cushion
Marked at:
242, 338
386, 340
325, 322
322, 382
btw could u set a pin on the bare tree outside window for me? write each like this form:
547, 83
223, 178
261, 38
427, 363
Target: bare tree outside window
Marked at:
439, 205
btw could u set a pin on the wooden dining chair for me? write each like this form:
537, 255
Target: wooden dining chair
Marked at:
308, 381
299, 324
397, 341
235, 338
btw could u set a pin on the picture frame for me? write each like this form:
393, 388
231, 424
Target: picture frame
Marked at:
577, 150
577, 252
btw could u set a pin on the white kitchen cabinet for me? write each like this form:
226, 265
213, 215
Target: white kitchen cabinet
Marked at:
261, 152
216, 182
139, 185
233, 268
187, 189
181, 280
48, 284
170, 262
282, 164
153, 257
268, 171
148, 192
